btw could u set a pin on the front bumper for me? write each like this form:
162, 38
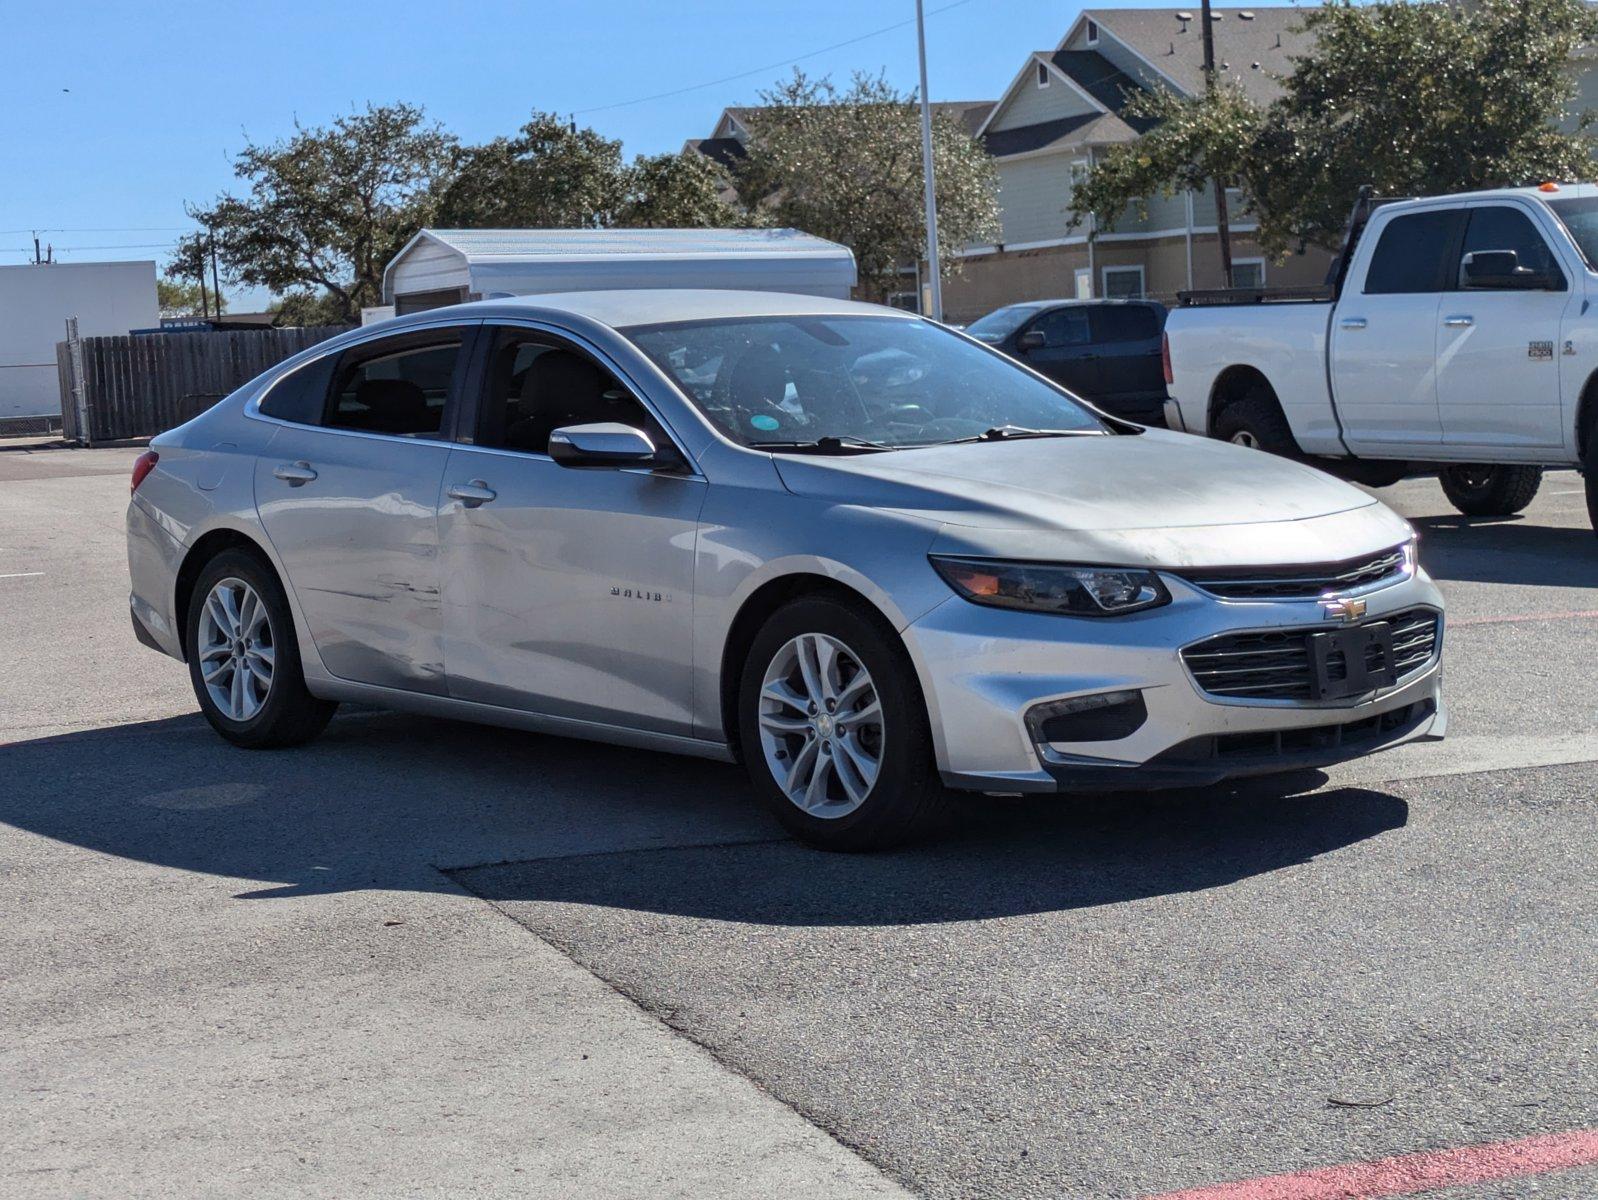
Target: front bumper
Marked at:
983, 669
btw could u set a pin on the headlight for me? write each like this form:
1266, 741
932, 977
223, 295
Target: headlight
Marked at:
1047, 587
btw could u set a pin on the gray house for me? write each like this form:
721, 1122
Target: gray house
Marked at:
1065, 108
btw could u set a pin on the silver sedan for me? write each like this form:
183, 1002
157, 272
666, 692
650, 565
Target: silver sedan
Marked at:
866, 555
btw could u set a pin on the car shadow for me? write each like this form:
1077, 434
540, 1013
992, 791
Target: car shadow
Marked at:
1507, 550
386, 801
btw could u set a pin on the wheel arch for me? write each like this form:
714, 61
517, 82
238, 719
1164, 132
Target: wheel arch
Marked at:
1586, 420
1233, 384
205, 548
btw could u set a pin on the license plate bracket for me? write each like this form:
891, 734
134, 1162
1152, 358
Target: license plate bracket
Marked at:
1351, 662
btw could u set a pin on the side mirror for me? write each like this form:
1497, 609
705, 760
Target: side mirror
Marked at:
1500, 270
1032, 339
607, 444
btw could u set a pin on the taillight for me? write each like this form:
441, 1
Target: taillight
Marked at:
1165, 358
142, 466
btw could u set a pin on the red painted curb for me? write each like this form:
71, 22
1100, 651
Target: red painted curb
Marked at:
1406, 1174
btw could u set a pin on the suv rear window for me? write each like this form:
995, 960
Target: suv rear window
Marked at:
1414, 254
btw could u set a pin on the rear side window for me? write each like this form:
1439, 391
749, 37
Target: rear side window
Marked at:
1127, 323
401, 391
301, 395
1414, 254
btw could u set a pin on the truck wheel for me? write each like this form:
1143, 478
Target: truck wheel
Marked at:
1255, 420
1589, 466
1482, 490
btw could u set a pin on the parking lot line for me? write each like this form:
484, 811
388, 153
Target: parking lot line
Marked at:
1407, 1174
22, 575
1569, 615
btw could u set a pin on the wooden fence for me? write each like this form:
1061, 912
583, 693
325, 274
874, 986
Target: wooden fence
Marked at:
129, 387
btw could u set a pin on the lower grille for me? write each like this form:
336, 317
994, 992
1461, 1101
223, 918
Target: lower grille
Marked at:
1277, 665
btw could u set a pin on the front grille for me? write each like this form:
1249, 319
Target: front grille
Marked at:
1275, 665
1300, 582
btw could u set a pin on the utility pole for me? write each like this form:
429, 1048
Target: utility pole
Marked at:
934, 272
216, 284
1223, 228
36, 259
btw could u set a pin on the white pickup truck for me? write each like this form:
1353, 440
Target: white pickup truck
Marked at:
1460, 331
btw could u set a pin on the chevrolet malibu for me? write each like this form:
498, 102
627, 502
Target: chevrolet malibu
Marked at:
865, 554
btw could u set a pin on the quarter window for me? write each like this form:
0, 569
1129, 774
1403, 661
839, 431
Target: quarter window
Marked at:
1413, 254
401, 391
301, 395
1497, 227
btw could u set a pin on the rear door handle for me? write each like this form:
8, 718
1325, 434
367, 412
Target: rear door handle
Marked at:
472, 494
1353, 322
1459, 321
294, 474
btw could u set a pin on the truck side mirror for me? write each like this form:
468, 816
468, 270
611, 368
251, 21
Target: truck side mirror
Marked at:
1500, 270
1032, 339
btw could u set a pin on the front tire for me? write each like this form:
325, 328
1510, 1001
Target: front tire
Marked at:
244, 659
1589, 467
834, 728
1482, 490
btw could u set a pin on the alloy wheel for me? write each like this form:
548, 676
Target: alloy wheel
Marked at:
821, 725
236, 649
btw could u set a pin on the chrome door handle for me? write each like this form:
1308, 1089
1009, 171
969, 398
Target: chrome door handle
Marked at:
1353, 322
1459, 321
472, 494
294, 474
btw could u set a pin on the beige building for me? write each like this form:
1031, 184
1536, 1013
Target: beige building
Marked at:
1064, 109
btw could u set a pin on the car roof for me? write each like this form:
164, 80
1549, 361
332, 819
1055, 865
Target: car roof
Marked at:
622, 307
1564, 191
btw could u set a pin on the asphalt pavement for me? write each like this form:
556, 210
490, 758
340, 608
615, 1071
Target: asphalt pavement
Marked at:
420, 957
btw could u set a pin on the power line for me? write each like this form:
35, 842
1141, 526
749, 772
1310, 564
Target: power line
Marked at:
103, 229
787, 62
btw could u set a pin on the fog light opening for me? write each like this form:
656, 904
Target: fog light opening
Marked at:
1103, 717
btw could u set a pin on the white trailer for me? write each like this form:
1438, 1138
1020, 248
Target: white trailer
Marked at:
35, 301
450, 266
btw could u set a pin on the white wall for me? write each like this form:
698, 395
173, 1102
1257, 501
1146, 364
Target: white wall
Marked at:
35, 302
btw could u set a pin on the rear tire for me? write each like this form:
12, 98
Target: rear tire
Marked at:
832, 729
1590, 474
1482, 490
244, 658
1255, 420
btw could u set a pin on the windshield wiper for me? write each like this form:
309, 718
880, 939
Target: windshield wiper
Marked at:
1007, 433
830, 444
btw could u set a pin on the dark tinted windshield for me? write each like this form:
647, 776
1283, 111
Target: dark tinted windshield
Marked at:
1580, 217
1001, 322
879, 379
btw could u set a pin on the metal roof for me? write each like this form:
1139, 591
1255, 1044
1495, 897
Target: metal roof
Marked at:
558, 244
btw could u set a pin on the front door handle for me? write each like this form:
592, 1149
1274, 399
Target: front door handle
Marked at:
1353, 322
294, 474
473, 494
1459, 321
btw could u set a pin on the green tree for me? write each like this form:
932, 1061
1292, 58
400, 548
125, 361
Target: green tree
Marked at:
846, 165
327, 208
181, 298
549, 175
675, 191
1417, 99
308, 308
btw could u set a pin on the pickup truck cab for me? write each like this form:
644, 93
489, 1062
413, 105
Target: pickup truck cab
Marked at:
1458, 330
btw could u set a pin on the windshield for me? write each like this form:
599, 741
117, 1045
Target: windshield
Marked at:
1580, 217
882, 380
1001, 322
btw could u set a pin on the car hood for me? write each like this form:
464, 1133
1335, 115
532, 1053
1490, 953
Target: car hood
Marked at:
1156, 497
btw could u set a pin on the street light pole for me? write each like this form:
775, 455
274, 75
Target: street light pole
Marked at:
1223, 226
934, 273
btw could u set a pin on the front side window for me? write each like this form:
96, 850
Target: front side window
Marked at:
885, 380
398, 391
1065, 327
1414, 254
535, 387
1498, 227
1001, 322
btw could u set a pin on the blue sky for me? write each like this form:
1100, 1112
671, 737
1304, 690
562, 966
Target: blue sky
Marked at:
161, 93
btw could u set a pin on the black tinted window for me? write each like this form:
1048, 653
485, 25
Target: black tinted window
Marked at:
1065, 327
301, 395
1127, 323
1414, 254
402, 391
1497, 227
535, 388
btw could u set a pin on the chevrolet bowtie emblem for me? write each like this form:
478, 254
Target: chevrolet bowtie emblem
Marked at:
1343, 609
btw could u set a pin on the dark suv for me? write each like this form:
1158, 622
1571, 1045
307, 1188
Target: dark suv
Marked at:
1106, 351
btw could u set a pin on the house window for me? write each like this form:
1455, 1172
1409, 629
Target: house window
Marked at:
1079, 171
1123, 283
1093, 33
1248, 272
1043, 75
